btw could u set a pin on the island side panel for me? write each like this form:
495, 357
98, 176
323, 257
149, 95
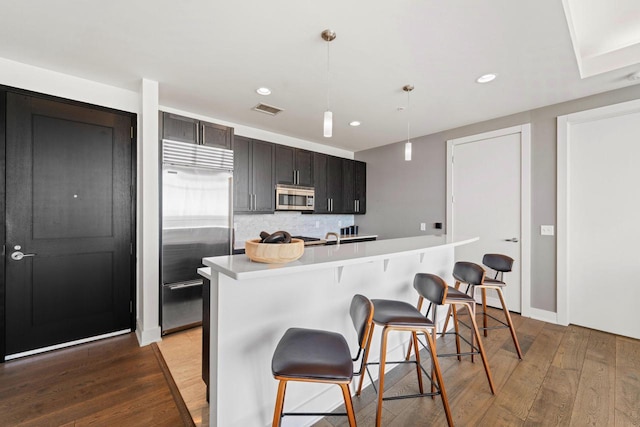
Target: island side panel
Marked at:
253, 314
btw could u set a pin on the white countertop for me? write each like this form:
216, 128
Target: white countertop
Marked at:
315, 257
345, 237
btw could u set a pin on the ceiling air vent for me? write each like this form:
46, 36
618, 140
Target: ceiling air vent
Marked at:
267, 109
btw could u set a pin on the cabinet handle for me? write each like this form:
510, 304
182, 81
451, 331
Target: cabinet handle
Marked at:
298, 177
198, 133
203, 136
332, 204
255, 202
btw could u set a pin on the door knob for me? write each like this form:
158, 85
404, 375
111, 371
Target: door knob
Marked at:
17, 255
513, 239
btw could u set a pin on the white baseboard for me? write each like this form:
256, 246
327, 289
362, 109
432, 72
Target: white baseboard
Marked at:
148, 336
544, 315
66, 344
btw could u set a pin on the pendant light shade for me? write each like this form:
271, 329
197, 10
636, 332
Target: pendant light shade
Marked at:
407, 145
407, 150
328, 124
328, 36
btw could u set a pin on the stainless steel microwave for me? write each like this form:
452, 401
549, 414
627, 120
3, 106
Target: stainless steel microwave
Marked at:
294, 198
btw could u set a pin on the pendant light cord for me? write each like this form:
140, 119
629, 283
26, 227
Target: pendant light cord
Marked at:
408, 116
328, 76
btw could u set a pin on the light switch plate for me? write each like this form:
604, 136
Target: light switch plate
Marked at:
546, 230
423, 226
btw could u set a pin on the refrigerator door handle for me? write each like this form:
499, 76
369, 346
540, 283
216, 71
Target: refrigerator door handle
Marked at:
183, 285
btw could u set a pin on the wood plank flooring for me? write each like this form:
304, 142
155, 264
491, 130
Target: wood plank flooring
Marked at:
104, 383
183, 352
569, 376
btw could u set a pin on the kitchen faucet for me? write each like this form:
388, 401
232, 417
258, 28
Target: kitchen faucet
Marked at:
331, 233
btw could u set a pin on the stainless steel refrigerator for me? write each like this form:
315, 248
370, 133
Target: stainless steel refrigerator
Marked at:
197, 218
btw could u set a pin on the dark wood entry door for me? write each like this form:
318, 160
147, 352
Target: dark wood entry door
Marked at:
69, 211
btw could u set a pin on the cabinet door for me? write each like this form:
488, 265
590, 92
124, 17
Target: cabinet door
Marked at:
320, 174
179, 128
304, 167
334, 183
348, 195
215, 135
360, 187
263, 177
242, 196
285, 173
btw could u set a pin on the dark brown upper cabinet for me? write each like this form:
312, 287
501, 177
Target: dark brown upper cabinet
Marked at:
360, 187
328, 184
340, 185
294, 166
194, 131
253, 177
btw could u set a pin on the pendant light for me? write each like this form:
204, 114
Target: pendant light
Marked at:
407, 145
328, 36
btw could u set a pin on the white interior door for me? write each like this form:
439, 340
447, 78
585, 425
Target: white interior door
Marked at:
603, 229
486, 201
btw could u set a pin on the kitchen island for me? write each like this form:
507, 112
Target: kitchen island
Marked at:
251, 305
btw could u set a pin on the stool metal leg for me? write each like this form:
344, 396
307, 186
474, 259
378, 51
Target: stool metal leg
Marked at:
484, 310
418, 365
365, 357
457, 329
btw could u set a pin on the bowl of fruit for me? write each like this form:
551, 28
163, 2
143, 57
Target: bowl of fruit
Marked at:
274, 248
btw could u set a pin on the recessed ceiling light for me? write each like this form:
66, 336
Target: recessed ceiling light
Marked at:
263, 91
354, 123
486, 78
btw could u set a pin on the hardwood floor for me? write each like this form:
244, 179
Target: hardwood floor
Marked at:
569, 376
183, 351
104, 383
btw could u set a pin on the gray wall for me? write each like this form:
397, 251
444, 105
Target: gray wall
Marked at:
401, 195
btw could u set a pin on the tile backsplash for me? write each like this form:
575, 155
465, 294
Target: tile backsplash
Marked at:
249, 226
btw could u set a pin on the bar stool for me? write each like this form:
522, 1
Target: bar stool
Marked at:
500, 264
434, 289
401, 316
318, 356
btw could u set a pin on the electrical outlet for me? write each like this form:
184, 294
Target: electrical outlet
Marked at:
423, 226
317, 224
546, 230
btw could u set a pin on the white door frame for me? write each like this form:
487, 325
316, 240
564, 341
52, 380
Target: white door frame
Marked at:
525, 201
563, 193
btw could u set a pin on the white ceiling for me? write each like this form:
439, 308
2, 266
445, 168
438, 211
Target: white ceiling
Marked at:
210, 56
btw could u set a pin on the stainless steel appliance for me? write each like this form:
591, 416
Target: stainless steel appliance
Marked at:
197, 218
294, 198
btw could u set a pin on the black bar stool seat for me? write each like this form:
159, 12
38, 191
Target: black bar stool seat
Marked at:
313, 354
386, 312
